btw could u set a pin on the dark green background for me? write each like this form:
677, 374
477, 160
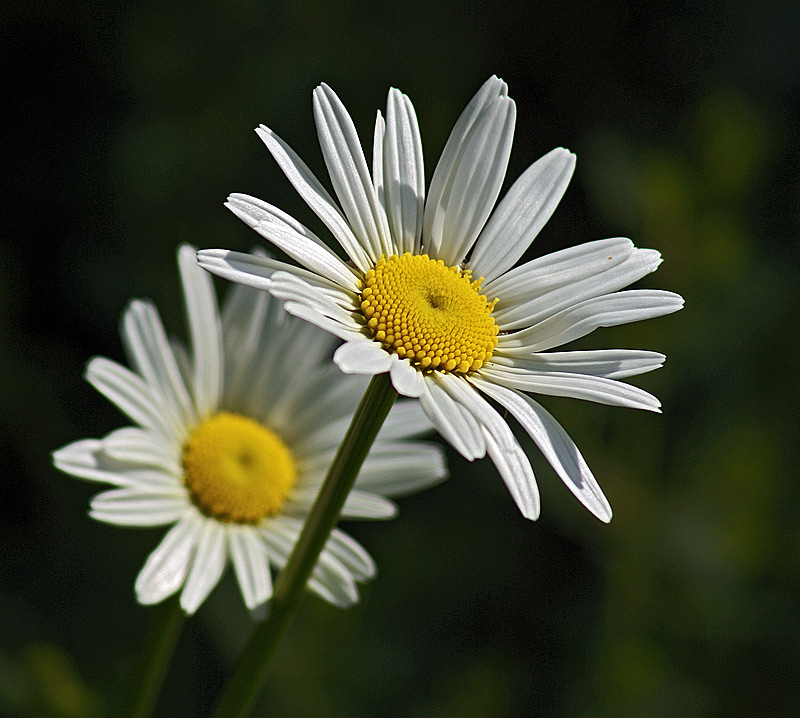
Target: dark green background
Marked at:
127, 125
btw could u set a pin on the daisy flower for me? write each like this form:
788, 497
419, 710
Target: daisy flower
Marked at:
431, 294
231, 443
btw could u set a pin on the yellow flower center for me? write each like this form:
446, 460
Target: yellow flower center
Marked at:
236, 469
430, 313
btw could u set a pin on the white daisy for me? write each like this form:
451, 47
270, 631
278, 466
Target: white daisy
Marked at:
430, 295
232, 440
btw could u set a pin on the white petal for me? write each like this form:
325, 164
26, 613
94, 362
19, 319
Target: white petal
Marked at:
401, 468
208, 564
556, 445
251, 564
83, 460
362, 356
403, 173
87, 459
310, 314
515, 470
453, 422
490, 91
364, 505
288, 287
151, 356
405, 378
132, 396
377, 158
508, 457
315, 195
166, 567
140, 446
140, 507
349, 173
204, 329
609, 363
558, 269
610, 310
359, 504
521, 214
576, 386
248, 316
352, 555
459, 204
405, 421
524, 313
332, 396
305, 248
331, 580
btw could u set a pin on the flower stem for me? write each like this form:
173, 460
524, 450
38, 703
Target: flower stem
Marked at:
238, 696
159, 645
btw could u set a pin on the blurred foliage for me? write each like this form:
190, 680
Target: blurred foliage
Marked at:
131, 122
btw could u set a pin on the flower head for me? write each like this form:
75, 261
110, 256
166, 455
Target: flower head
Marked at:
431, 294
232, 440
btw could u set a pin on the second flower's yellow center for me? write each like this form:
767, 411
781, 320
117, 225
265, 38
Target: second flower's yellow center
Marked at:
430, 313
236, 469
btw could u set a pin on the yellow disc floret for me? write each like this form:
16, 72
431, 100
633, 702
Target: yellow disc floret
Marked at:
432, 314
236, 469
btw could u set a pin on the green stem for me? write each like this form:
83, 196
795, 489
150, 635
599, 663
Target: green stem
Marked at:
159, 645
251, 670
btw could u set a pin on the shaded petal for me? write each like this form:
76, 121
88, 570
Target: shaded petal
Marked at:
316, 196
377, 158
405, 378
330, 397
289, 287
575, 322
151, 356
359, 504
256, 271
302, 246
517, 313
364, 505
140, 446
490, 91
521, 214
401, 468
556, 445
140, 506
251, 564
329, 579
208, 564
456, 425
609, 363
338, 328
403, 174
204, 329
406, 420
460, 200
557, 269
166, 567
351, 554
82, 459
577, 386
132, 396
362, 356
501, 445
349, 173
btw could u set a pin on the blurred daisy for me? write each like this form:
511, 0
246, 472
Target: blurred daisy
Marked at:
430, 295
232, 442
